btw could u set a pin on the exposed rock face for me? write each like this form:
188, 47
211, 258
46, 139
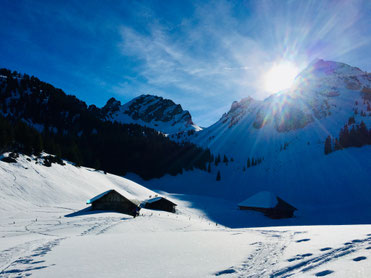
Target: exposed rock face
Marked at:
152, 111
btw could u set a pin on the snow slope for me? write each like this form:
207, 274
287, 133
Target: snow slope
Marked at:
45, 232
151, 111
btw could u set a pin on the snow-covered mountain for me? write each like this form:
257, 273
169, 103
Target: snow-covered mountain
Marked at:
286, 134
325, 95
151, 111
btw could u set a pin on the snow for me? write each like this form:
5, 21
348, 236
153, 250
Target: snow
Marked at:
47, 231
263, 199
153, 103
90, 201
153, 200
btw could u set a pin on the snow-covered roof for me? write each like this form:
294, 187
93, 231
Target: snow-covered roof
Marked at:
98, 197
263, 199
152, 200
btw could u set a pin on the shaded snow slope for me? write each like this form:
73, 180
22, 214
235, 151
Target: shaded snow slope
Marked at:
332, 190
151, 111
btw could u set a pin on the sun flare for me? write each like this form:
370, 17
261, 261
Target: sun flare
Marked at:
280, 77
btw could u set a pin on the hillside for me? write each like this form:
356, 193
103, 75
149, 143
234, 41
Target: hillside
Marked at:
36, 116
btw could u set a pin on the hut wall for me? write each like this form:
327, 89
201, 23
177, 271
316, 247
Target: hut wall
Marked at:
116, 202
161, 205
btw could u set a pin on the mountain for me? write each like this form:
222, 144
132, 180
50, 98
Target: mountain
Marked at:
151, 111
36, 116
278, 145
325, 95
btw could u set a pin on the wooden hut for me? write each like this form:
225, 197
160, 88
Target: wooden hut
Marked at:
159, 203
269, 204
113, 201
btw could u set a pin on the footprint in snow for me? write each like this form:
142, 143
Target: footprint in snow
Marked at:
325, 249
361, 258
368, 248
356, 240
302, 240
227, 271
324, 273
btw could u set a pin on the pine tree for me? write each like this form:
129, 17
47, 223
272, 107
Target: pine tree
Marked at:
225, 159
344, 137
217, 160
337, 145
248, 163
209, 167
328, 147
218, 176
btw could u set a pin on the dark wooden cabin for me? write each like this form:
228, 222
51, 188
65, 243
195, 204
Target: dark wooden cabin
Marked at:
111, 200
159, 203
271, 205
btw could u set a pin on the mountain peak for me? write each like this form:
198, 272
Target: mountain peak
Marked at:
320, 67
152, 111
111, 106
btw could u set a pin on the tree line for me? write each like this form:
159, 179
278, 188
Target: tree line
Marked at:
357, 136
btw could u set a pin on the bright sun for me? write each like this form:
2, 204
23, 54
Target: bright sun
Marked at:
280, 77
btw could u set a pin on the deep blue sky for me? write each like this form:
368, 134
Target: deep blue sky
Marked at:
201, 54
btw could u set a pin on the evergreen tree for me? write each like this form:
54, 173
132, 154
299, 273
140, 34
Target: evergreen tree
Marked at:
209, 167
328, 147
218, 176
337, 145
248, 163
217, 160
225, 159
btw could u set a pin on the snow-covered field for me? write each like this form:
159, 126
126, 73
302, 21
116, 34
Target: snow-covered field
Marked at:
45, 232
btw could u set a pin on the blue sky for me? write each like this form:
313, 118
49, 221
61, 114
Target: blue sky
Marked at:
201, 54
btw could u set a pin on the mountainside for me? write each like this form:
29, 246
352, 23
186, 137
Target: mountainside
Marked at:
151, 111
320, 103
35, 116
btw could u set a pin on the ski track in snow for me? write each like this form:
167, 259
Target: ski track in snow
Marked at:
24, 265
99, 228
310, 264
268, 254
